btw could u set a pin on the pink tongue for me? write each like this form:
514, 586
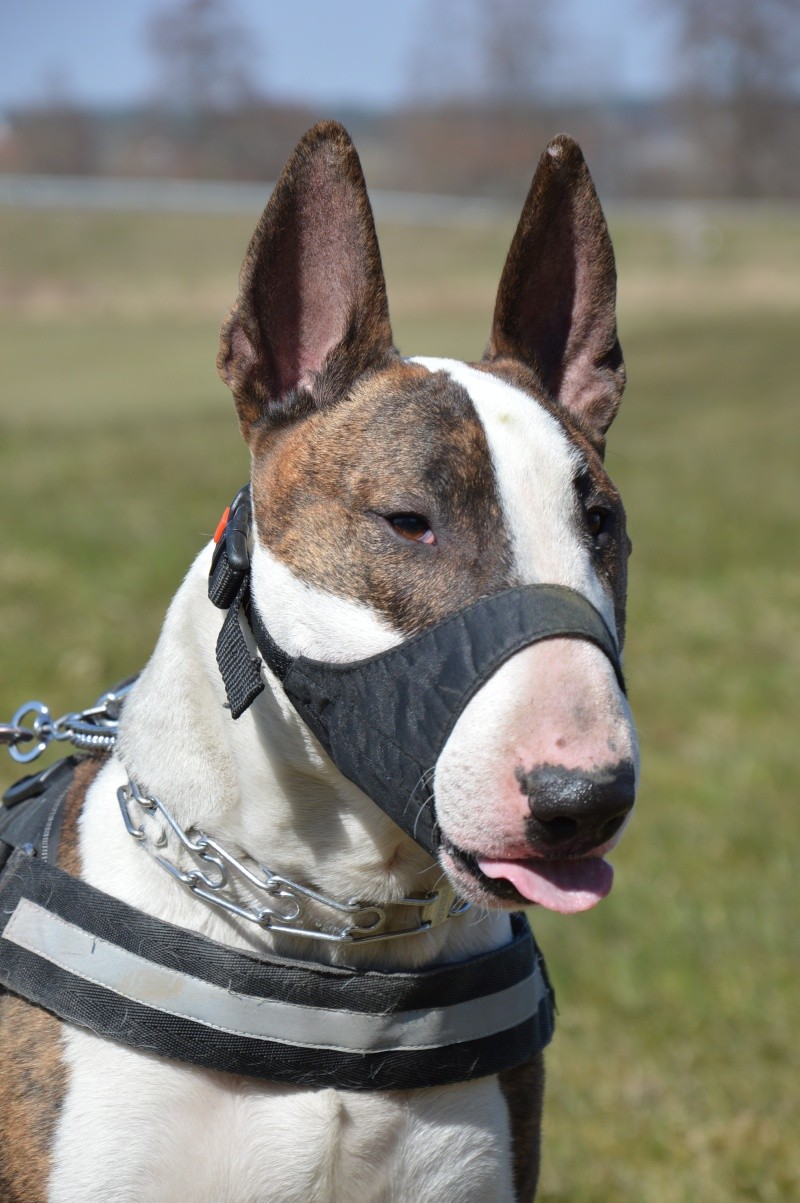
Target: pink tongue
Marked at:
559, 885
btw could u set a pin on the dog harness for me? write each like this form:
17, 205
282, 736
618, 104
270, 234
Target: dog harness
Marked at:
385, 720
103, 965
99, 963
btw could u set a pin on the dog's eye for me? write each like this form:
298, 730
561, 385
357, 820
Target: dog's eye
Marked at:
598, 521
413, 527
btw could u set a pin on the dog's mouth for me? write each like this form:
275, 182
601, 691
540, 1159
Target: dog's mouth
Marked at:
567, 885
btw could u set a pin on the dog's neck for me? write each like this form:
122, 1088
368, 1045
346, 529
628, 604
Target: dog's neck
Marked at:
263, 787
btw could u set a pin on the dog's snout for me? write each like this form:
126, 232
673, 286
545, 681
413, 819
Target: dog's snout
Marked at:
579, 808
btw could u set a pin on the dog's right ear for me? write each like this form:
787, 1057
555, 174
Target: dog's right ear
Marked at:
312, 314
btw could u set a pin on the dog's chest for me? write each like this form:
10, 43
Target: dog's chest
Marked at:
135, 1129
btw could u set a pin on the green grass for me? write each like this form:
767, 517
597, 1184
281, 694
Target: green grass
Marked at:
674, 1074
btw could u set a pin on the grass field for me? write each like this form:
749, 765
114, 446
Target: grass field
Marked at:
675, 1074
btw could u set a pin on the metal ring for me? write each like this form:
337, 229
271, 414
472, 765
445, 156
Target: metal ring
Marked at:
42, 713
10, 736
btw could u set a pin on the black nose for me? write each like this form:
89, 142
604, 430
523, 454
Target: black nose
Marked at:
578, 809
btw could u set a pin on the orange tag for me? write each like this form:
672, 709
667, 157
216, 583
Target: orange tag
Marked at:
223, 522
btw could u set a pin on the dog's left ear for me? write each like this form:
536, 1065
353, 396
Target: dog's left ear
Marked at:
312, 314
555, 307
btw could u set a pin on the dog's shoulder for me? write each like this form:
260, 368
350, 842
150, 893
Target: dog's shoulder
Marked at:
33, 1078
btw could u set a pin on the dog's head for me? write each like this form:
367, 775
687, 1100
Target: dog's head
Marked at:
389, 493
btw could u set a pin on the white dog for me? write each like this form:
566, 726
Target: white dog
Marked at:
388, 495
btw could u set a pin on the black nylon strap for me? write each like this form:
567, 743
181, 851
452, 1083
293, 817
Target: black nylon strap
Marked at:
33, 808
385, 720
240, 671
276, 659
80, 1000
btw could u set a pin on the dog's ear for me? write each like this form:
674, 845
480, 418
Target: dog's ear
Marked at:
311, 315
555, 307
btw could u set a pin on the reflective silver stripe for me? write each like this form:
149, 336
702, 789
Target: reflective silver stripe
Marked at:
38, 930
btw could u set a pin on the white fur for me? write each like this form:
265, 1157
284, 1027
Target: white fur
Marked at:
535, 466
306, 621
137, 1129
556, 702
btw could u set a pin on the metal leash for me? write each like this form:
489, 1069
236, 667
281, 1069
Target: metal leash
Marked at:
90, 730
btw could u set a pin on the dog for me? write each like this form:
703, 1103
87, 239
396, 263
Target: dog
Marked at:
388, 495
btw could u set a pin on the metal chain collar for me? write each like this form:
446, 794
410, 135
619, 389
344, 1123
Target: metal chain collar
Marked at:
285, 904
91, 730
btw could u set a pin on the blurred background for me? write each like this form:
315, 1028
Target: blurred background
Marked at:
138, 143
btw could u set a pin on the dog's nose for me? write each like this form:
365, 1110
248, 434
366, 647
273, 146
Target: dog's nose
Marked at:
579, 808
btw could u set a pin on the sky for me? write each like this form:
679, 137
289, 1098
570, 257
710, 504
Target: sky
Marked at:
358, 52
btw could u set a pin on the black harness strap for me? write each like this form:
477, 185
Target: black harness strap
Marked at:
99, 963
38, 822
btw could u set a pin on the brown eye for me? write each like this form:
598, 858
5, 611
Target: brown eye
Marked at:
598, 522
413, 527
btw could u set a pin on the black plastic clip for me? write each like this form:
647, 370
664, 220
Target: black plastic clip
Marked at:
231, 561
36, 783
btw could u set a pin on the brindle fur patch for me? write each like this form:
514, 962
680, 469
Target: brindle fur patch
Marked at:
342, 431
555, 308
312, 315
523, 1088
405, 441
33, 1081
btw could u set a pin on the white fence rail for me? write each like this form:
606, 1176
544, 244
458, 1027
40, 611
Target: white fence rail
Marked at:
110, 194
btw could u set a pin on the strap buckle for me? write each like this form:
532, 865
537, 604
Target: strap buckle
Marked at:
231, 560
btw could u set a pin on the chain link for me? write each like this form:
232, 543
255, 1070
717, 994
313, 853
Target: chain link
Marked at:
91, 730
287, 903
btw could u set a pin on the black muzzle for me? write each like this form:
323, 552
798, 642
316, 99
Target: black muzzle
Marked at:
385, 720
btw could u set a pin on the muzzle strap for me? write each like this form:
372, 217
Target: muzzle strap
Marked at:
385, 720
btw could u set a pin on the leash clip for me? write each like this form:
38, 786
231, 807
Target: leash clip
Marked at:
92, 730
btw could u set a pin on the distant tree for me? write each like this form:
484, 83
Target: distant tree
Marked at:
206, 93
740, 48
479, 51
204, 55
56, 135
739, 66
478, 79
516, 38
